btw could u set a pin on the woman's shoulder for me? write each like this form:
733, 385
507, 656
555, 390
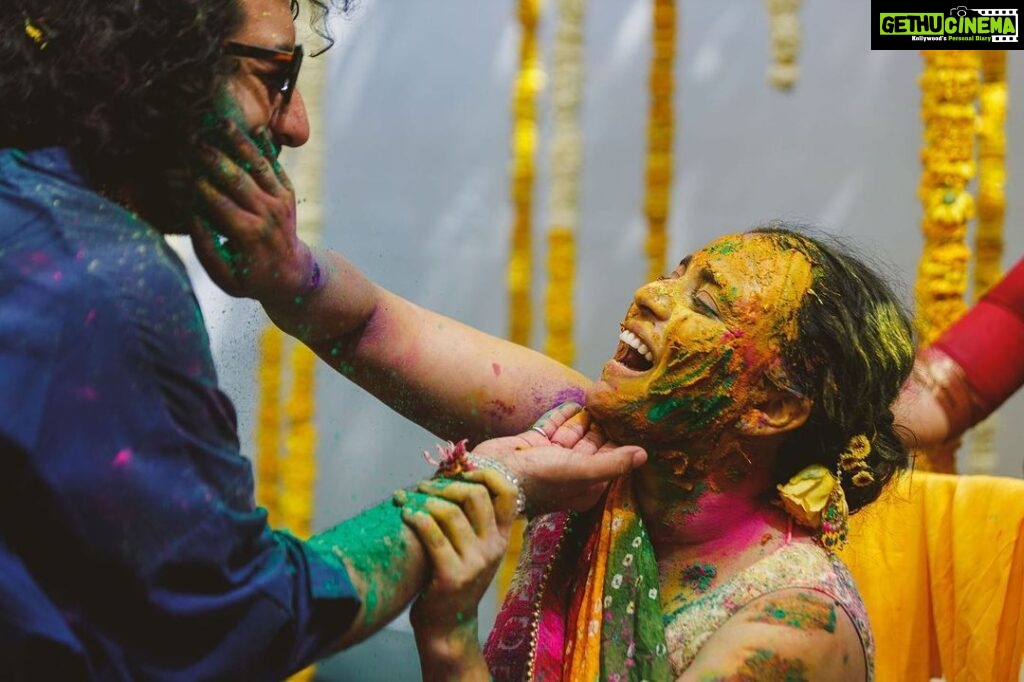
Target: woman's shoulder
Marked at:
800, 582
795, 565
805, 568
795, 633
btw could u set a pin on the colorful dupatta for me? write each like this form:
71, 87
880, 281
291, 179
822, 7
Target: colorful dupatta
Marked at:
584, 602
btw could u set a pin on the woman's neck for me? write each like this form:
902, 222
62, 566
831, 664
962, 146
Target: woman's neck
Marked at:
727, 505
708, 527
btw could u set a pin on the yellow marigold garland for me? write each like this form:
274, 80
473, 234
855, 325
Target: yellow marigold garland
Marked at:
566, 161
558, 304
988, 239
659, 135
297, 472
268, 421
298, 476
286, 480
949, 86
529, 82
784, 23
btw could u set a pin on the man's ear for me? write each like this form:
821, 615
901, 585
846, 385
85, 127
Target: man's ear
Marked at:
780, 413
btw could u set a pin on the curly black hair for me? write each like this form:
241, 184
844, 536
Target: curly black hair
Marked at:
853, 352
127, 87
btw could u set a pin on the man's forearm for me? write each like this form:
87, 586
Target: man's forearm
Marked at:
385, 562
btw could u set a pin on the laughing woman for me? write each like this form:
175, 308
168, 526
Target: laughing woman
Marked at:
758, 376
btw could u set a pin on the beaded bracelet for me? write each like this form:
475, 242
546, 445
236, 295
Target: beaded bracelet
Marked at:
478, 462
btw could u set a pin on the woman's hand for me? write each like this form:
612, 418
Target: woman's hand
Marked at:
564, 461
463, 526
247, 239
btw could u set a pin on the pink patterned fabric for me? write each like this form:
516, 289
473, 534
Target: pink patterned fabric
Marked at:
584, 601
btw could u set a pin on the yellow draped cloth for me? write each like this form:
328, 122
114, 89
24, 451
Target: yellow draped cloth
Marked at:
939, 561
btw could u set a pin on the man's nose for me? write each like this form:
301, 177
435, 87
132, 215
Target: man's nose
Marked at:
291, 124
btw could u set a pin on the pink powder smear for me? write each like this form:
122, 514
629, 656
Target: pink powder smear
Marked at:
88, 393
122, 458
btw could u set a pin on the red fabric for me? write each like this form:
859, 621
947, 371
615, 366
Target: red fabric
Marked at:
988, 342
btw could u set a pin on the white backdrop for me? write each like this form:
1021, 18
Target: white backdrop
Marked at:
416, 138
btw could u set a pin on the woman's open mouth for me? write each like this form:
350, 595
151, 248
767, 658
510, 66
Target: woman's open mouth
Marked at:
633, 353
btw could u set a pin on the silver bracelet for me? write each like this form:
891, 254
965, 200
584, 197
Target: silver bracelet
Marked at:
479, 462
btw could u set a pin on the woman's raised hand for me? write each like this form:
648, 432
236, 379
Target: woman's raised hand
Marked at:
246, 238
564, 461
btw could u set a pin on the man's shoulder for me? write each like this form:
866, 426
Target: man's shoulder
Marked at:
68, 251
52, 219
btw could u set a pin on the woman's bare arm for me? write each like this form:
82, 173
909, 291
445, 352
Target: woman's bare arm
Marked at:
452, 379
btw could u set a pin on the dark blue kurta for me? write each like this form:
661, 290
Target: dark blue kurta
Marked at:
130, 544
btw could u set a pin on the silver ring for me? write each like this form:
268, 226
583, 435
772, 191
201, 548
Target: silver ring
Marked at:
539, 430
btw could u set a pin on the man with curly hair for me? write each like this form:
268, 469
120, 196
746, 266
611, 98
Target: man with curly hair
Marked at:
130, 544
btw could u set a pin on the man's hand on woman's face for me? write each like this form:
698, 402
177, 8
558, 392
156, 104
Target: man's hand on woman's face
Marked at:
564, 461
247, 239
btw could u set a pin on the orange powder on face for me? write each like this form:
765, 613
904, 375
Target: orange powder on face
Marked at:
712, 366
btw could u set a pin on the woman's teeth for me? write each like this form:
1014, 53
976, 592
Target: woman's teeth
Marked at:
634, 342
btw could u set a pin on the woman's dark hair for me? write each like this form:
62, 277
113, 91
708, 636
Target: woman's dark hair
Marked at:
126, 86
854, 349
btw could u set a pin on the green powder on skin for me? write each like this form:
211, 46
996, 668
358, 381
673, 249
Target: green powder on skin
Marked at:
690, 505
374, 545
699, 576
722, 247
213, 133
696, 411
701, 369
687, 405
803, 612
766, 664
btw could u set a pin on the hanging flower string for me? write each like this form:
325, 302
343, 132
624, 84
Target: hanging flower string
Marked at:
529, 82
268, 421
298, 476
784, 24
566, 161
949, 86
988, 243
988, 238
659, 135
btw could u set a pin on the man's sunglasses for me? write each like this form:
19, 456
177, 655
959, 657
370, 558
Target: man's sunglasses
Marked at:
292, 59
